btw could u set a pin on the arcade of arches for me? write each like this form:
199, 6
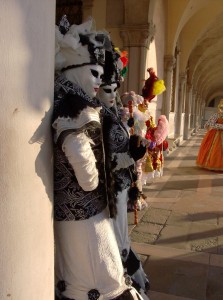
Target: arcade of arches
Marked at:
181, 39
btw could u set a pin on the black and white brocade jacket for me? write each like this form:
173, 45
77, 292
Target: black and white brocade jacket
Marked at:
77, 142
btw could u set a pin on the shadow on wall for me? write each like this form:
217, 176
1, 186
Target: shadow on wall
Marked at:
44, 159
36, 34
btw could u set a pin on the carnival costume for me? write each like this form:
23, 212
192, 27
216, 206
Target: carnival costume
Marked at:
210, 155
154, 136
153, 86
153, 162
137, 124
88, 264
121, 173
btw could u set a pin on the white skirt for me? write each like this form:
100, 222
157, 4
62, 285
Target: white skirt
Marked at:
87, 258
120, 222
124, 242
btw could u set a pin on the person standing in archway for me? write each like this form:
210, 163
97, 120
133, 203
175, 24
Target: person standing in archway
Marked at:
210, 155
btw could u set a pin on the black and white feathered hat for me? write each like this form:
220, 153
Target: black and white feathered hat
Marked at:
80, 45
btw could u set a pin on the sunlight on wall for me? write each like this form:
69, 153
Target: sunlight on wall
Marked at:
26, 82
151, 60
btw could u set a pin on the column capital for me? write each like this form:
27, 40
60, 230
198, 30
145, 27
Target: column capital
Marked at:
137, 35
169, 63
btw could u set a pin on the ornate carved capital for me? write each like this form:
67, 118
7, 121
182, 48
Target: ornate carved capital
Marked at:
169, 63
137, 35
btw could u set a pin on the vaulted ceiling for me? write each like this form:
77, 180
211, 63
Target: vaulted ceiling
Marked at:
197, 28
206, 61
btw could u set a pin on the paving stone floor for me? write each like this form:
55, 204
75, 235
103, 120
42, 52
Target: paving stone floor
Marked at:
179, 236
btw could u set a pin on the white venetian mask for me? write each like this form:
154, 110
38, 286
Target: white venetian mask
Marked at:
107, 94
88, 77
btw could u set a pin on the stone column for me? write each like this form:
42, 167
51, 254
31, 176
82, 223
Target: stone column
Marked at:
202, 114
180, 104
194, 99
190, 106
187, 112
176, 80
169, 63
27, 49
199, 112
136, 40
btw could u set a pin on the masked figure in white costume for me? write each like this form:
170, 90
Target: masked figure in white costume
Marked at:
120, 149
88, 264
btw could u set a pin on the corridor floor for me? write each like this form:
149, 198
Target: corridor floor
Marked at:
179, 236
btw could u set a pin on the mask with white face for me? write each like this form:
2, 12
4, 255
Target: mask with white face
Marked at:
107, 94
88, 78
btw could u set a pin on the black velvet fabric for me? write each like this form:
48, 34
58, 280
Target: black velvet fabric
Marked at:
136, 150
132, 263
71, 106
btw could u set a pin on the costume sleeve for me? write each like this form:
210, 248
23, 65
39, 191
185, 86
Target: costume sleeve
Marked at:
79, 153
212, 123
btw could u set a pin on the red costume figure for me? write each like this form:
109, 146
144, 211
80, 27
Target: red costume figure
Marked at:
153, 86
147, 91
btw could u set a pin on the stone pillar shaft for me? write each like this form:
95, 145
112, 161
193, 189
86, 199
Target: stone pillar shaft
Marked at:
187, 119
180, 104
193, 118
26, 85
169, 62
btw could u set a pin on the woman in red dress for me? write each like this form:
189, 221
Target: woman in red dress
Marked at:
210, 155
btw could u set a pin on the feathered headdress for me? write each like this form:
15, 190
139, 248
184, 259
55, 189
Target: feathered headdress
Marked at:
115, 67
153, 86
79, 45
